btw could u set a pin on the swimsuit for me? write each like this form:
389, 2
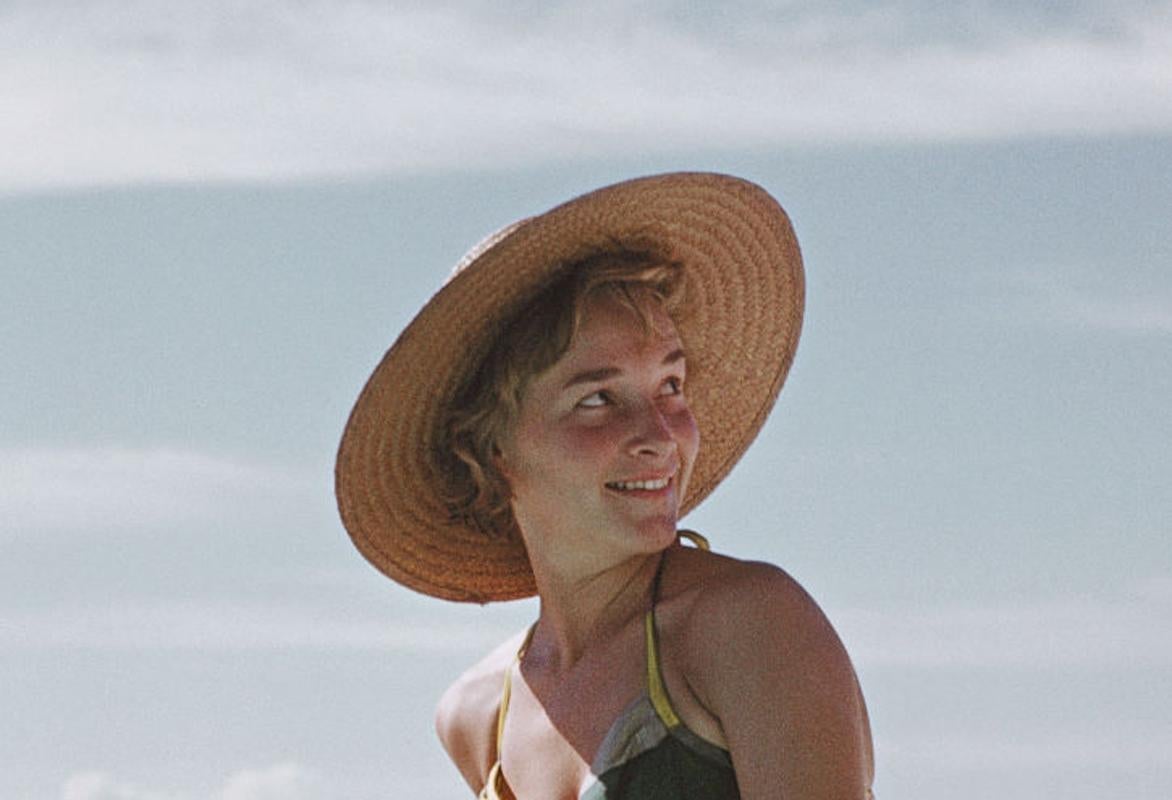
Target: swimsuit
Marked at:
648, 754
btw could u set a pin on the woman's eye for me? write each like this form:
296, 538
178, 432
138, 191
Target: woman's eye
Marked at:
673, 386
596, 400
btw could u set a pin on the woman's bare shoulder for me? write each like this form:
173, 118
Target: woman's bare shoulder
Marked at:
760, 651
720, 588
466, 716
748, 614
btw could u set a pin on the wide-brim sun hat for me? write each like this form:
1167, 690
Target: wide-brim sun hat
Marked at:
743, 304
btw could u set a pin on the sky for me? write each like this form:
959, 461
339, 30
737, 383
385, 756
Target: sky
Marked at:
215, 217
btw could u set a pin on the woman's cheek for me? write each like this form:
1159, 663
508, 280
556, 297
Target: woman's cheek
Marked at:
584, 439
685, 427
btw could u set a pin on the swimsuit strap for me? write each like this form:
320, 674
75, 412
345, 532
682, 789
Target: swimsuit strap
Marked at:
701, 542
696, 539
507, 690
655, 685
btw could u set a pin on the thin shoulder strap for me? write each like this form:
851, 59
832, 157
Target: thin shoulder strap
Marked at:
655, 685
507, 690
696, 539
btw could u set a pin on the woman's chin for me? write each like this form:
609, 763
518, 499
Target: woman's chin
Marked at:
657, 533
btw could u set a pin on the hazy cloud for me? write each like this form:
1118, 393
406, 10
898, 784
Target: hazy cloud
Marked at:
102, 786
1129, 747
210, 626
286, 781
128, 489
1156, 591
279, 782
268, 90
1116, 299
1125, 315
1120, 633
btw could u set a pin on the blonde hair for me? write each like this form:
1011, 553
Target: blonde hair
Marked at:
532, 342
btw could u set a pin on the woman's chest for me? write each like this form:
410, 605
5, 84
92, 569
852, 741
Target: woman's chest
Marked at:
553, 732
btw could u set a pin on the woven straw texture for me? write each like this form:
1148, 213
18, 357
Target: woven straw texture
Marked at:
740, 324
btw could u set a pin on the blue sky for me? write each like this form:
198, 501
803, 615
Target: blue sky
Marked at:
216, 218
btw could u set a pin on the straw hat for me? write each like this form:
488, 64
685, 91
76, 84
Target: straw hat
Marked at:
743, 311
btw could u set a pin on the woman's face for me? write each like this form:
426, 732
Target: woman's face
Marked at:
604, 441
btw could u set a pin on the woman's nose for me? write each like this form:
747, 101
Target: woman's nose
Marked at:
650, 434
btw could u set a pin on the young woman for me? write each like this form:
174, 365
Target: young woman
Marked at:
583, 380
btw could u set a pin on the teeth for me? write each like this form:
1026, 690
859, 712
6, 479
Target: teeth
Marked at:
626, 486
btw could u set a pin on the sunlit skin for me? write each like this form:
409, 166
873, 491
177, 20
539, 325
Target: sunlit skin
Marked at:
612, 411
750, 662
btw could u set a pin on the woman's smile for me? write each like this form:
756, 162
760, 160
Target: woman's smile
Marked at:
641, 485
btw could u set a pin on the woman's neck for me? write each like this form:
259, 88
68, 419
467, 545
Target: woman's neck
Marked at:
582, 608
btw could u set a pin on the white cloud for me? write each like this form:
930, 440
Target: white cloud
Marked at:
97, 489
279, 782
107, 92
285, 781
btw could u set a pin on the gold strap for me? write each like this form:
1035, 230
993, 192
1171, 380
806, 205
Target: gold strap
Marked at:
507, 690
693, 537
655, 685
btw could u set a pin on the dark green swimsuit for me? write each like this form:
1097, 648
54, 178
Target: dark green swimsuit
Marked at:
649, 754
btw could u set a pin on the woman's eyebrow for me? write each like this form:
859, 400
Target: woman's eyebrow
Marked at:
601, 374
592, 376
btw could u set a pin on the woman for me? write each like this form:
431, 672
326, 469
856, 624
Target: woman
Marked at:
585, 378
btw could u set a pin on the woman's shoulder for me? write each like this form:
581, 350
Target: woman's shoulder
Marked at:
736, 619
466, 715
757, 649
720, 589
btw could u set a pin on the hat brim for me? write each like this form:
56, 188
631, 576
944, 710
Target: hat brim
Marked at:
743, 313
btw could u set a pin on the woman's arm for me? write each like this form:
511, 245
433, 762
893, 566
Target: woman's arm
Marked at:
768, 663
